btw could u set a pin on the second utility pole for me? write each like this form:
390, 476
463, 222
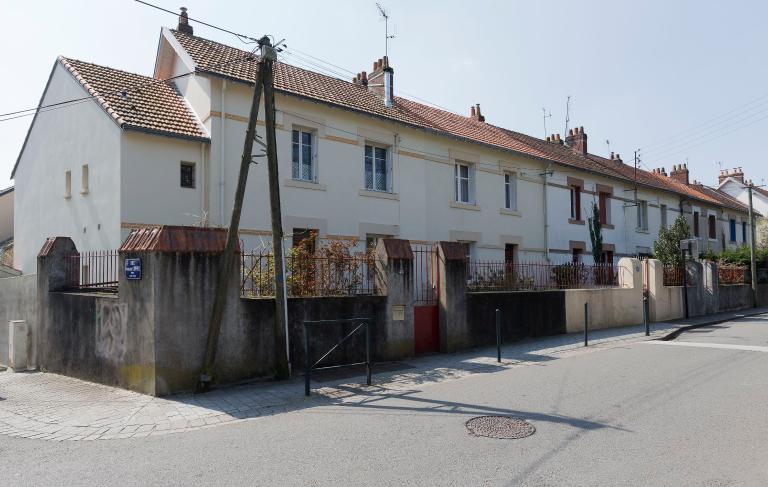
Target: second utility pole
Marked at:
228, 261
282, 367
752, 264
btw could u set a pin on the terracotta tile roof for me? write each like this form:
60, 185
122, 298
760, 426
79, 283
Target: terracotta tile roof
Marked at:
137, 102
222, 60
721, 197
173, 238
762, 191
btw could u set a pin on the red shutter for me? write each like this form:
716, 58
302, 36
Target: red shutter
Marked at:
603, 208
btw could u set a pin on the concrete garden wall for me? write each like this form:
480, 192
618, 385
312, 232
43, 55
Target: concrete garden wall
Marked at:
608, 307
18, 301
523, 315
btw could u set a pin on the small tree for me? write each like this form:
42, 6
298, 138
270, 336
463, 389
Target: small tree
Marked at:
596, 234
667, 247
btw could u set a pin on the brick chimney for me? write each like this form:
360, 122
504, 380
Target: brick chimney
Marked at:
474, 113
617, 158
577, 140
679, 173
660, 170
361, 79
184, 22
736, 173
555, 138
381, 80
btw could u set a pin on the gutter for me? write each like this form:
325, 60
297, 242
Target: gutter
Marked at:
442, 133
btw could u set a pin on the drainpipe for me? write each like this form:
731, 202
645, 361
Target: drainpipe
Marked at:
546, 213
204, 208
222, 185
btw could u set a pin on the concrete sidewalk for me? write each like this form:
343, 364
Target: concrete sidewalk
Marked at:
54, 407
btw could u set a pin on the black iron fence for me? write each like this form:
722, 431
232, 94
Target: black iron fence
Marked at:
425, 275
531, 276
308, 276
673, 274
733, 274
92, 270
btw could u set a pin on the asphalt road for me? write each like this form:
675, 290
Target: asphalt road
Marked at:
691, 412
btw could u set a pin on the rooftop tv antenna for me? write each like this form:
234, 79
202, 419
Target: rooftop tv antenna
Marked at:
546, 116
387, 35
567, 114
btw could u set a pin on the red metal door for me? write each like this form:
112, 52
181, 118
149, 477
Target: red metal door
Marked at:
426, 328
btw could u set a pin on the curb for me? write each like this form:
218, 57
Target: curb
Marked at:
676, 333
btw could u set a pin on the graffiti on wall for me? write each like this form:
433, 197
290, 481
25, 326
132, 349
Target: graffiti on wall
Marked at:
111, 330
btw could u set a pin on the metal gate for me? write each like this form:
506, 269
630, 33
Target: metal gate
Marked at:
426, 279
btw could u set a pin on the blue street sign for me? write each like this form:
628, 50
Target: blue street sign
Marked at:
133, 269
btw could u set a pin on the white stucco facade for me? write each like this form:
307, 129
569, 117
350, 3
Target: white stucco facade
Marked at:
740, 191
61, 141
134, 180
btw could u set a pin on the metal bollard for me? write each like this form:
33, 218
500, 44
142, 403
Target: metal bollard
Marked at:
498, 335
586, 320
645, 316
368, 352
307, 363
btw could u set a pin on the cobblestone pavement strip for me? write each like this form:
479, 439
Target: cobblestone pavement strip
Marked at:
54, 407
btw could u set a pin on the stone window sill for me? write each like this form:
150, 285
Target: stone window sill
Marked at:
295, 183
608, 226
507, 211
573, 221
369, 193
642, 230
465, 206
67, 196
84, 192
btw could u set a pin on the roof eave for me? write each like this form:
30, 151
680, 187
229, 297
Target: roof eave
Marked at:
34, 118
459, 138
165, 133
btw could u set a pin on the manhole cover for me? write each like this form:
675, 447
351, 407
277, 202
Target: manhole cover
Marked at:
503, 427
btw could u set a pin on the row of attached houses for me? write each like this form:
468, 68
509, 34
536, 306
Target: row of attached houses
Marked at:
353, 162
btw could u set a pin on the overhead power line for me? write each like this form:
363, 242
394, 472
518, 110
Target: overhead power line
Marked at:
239, 36
711, 138
712, 122
4, 117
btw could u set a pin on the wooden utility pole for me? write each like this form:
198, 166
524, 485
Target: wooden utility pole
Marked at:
282, 367
752, 263
229, 258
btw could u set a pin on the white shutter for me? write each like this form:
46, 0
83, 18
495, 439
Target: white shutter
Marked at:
472, 182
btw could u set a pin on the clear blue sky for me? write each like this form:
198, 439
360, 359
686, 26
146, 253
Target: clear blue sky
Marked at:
639, 73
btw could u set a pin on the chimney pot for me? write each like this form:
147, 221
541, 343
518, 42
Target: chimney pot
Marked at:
577, 140
184, 22
472, 111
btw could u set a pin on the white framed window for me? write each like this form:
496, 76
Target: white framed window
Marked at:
642, 215
84, 179
464, 187
376, 168
510, 191
303, 155
68, 184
